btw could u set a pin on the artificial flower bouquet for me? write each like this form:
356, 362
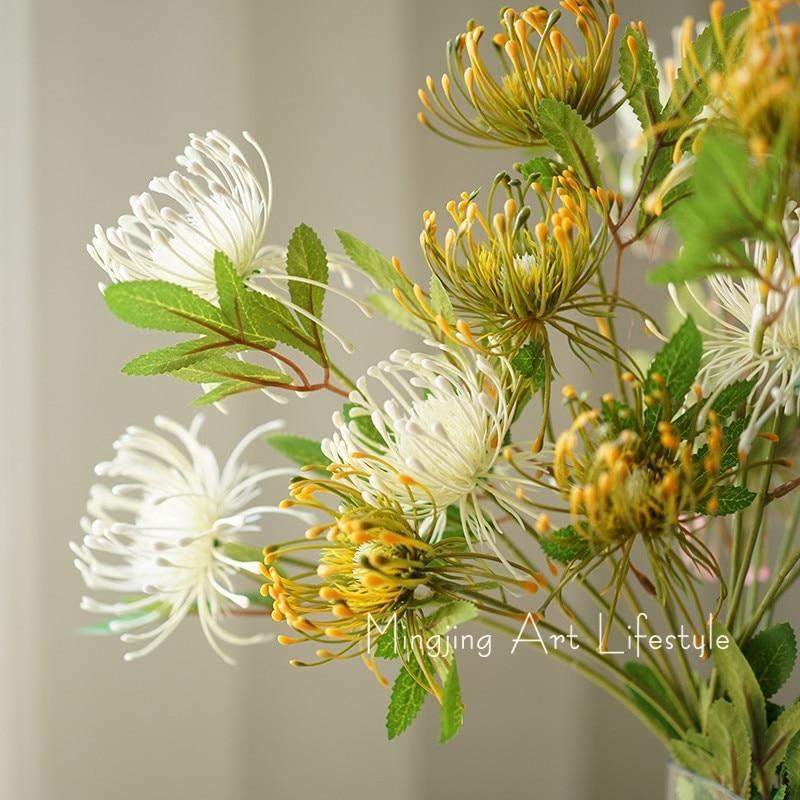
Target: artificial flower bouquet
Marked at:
446, 496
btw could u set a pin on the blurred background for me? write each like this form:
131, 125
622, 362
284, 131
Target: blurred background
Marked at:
98, 97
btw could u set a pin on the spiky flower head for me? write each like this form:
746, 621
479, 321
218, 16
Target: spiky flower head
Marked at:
755, 333
434, 442
167, 537
622, 483
373, 571
755, 91
514, 271
538, 61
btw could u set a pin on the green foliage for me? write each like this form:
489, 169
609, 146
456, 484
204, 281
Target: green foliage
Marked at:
371, 262
731, 499
169, 359
672, 373
450, 616
452, 713
299, 449
530, 361
306, 258
730, 743
540, 169
732, 397
162, 306
387, 647
571, 138
652, 697
388, 307
730, 200
565, 545
246, 319
791, 765
640, 80
689, 93
772, 654
363, 422
440, 301
408, 695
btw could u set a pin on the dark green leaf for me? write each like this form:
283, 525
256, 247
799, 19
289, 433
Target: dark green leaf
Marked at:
772, 654
732, 397
571, 138
732, 499
530, 362
791, 763
452, 714
306, 259
297, 448
565, 545
407, 699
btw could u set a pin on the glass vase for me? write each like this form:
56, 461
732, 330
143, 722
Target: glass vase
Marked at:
685, 785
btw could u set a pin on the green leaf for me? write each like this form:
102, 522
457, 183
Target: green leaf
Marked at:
689, 94
570, 137
306, 258
297, 448
730, 743
217, 368
388, 307
732, 397
168, 359
732, 499
162, 306
779, 734
221, 391
450, 616
452, 714
772, 654
407, 698
440, 301
273, 319
242, 552
651, 687
540, 169
237, 302
678, 363
640, 83
530, 362
791, 763
387, 647
693, 751
730, 201
371, 262
565, 545
741, 685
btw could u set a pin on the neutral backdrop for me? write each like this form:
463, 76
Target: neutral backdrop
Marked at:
98, 96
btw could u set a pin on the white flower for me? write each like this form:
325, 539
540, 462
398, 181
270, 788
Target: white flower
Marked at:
442, 428
218, 204
754, 338
156, 536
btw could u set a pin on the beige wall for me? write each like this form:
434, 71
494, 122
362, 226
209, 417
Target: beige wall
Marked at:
99, 97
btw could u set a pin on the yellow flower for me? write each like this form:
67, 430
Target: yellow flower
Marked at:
511, 276
538, 60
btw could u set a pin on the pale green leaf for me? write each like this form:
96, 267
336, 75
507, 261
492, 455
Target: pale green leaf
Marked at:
306, 259
452, 713
297, 448
406, 700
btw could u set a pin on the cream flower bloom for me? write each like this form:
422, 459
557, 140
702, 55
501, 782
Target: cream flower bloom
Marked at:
754, 338
436, 440
157, 536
